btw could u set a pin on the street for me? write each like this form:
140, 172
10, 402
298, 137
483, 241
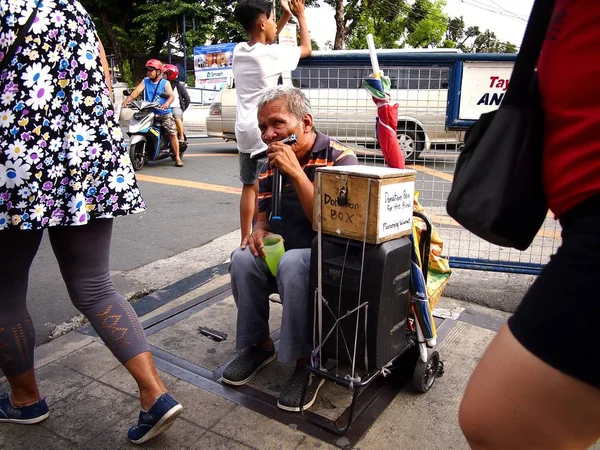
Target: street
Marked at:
179, 217
187, 208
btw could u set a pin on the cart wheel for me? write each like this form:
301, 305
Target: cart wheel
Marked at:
426, 373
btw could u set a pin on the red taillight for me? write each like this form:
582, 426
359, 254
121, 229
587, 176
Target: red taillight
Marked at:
215, 109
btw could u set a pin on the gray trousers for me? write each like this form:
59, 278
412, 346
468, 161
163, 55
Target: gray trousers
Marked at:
249, 284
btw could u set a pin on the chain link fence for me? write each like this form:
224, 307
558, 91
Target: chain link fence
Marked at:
423, 87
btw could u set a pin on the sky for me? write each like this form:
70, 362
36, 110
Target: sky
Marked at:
495, 15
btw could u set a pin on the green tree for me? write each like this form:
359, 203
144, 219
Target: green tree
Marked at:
456, 30
127, 28
394, 25
114, 20
509, 47
426, 23
347, 14
384, 22
473, 40
158, 19
149, 26
459, 34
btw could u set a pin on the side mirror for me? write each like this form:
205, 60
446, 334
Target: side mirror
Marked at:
126, 93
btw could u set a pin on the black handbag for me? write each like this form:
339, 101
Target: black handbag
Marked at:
497, 192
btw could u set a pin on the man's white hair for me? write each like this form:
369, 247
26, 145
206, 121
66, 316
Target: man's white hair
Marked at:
296, 102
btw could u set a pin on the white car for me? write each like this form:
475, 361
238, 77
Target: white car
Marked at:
345, 111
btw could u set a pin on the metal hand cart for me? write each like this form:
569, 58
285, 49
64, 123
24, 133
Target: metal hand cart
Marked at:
415, 352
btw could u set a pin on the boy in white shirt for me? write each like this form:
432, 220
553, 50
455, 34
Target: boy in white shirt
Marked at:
258, 64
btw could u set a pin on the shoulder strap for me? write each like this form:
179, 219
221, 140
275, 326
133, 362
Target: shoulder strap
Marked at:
151, 99
10, 53
527, 59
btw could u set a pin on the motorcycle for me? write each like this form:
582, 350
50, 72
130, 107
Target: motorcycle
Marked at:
148, 142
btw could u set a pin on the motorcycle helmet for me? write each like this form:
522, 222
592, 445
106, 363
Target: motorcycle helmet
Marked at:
154, 64
172, 71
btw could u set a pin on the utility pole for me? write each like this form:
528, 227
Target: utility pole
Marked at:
169, 45
184, 49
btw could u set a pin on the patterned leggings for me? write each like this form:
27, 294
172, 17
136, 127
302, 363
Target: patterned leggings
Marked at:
83, 254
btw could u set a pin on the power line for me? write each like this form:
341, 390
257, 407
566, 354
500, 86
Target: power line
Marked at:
486, 7
518, 16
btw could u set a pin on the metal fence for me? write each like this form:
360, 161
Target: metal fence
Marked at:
424, 86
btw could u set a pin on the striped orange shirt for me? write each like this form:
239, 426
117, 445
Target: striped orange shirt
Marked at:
296, 228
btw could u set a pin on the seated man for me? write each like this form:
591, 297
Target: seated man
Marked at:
282, 111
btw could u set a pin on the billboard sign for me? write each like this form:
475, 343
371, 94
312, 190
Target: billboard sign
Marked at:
212, 67
476, 87
483, 87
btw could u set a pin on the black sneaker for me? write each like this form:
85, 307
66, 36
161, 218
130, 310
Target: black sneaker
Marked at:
291, 394
243, 368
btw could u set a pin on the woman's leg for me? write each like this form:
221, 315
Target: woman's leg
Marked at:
516, 401
83, 256
538, 384
17, 335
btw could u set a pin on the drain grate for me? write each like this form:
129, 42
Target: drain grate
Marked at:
181, 351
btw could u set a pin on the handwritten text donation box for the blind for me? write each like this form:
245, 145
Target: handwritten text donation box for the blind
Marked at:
374, 204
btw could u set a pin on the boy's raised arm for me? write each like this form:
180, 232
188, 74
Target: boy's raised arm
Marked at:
287, 14
297, 9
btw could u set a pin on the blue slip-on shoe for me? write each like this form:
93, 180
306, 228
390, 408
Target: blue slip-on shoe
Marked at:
155, 421
25, 415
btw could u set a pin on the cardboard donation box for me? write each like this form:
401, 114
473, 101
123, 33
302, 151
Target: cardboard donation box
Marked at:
374, 204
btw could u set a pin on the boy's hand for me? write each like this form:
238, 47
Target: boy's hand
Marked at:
297, 7
285, 7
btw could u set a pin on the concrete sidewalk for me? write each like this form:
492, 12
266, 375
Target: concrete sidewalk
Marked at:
93, 400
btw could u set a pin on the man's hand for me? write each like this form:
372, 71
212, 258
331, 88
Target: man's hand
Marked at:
255, 242
285, 7
283, 157
297, 7
164, 106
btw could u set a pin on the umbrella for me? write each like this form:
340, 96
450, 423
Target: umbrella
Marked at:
419, 300
378, 86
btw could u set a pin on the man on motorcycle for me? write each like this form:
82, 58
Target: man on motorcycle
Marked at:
153, 86
182, 98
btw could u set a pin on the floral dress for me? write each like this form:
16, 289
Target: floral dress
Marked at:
63, 160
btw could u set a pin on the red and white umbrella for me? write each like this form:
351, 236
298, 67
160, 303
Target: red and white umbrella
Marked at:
387, 118
378, 86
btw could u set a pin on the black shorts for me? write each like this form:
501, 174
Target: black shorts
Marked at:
558, 318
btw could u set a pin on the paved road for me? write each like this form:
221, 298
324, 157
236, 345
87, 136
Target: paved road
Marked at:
179, 217
187, 208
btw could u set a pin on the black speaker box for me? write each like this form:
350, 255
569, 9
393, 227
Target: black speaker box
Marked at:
385, 282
